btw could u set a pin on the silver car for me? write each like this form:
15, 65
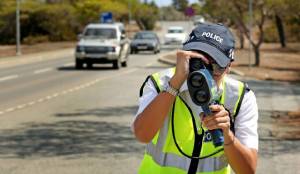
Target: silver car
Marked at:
102, 43
145, 41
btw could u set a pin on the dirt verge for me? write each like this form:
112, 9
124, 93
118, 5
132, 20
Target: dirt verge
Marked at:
10, 50
287, 125
276, 63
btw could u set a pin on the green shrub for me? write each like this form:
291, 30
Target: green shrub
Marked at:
292, 31
271, 33
146, 17
56, 21
31, 40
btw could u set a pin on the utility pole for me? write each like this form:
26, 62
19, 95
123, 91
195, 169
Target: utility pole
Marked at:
129, 13
18, 36
250, 30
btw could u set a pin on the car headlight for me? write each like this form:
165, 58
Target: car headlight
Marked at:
79, 49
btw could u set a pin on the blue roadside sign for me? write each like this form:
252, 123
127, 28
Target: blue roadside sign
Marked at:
106, 17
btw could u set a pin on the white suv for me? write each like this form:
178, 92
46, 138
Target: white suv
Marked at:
175, 34
102, 43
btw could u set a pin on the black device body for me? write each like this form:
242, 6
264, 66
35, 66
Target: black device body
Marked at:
204, 92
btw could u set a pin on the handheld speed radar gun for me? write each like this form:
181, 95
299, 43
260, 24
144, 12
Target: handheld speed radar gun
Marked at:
204, 92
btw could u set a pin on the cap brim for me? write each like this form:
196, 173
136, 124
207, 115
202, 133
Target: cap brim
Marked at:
216, 54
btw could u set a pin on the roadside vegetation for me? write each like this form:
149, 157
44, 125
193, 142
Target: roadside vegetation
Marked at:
62, 20
273, 21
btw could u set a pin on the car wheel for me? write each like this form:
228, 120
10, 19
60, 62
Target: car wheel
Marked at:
124, 64
116, 64
78, 64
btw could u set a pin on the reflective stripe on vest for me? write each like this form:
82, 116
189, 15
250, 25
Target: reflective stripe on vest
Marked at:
230, 98
172, 160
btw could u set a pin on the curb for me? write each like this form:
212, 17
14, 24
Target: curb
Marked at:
236, 72
163, 59
35, 57
172, 62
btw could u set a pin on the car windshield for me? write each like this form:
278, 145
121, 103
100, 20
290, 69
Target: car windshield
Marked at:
175, 31
105, 33
145, 36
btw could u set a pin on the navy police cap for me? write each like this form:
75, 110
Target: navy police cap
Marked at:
214, 39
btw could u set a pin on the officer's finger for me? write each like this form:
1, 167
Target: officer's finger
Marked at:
194, 54
216, 108
216, 121
217, 126
201, 116
222, 113
183, 54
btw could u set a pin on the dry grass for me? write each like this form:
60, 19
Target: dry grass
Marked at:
277, 63
10, 50
287, 125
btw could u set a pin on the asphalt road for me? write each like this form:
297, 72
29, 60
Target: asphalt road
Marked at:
56, 119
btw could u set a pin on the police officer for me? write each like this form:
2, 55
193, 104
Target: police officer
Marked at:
174, 128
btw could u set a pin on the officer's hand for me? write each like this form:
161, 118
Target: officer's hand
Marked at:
182, 66
219, 119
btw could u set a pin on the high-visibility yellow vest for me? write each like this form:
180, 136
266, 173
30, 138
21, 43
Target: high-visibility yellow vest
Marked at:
163, 157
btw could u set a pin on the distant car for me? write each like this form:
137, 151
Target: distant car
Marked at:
102, 43
198, 20
145, 41
175, 35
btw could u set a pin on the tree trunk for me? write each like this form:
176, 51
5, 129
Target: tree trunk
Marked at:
257, 55
140, 24
241, 36
280, 29
240, 33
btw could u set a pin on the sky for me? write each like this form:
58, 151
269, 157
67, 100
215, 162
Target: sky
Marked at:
161, 3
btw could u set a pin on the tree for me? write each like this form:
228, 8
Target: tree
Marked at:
197, 8
260, 13
280, 29
285, 13
8, 21
146, 16
89, 11
235, 12
169, 13
180, 5
224, 15
278, 8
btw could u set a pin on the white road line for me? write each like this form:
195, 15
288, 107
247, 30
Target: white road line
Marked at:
130, 71
49, 97
31, 103
40, 100
69, 64
21, 106
42, 70
10, 109
149, 64
8, 77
